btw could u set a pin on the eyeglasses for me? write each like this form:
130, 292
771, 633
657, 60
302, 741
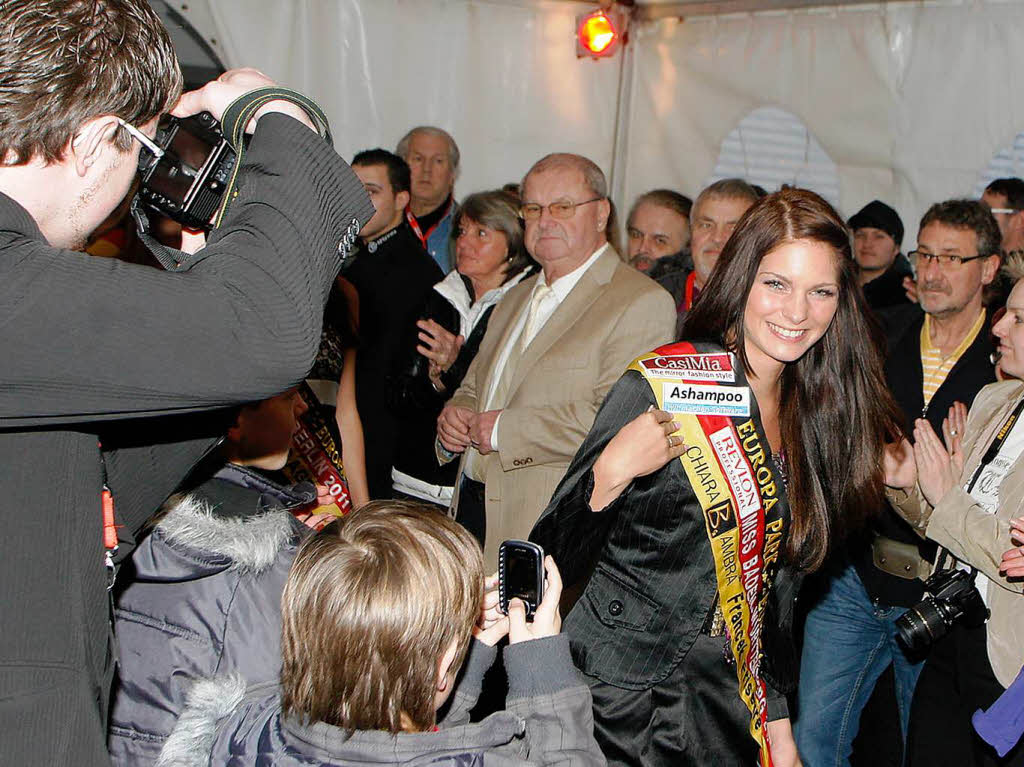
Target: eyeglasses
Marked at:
146, 161
941, 261
531, 211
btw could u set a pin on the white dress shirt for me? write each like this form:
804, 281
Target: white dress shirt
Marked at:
560, 288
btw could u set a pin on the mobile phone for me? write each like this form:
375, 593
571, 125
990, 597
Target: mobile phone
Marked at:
520, 574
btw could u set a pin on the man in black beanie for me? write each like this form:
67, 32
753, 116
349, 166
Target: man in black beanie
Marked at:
877, 236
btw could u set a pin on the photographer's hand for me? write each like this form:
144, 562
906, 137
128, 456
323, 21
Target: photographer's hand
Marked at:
217, 95
547, 621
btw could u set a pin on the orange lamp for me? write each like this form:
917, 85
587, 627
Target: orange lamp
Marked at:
597, 33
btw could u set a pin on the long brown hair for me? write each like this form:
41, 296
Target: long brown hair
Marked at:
835, 411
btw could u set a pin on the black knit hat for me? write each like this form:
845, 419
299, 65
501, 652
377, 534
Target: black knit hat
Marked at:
878, 215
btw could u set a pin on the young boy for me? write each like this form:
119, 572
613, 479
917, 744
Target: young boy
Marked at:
379, 613
201, 594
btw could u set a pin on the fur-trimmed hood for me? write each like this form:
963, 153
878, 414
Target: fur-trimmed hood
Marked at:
238, 519
251, 543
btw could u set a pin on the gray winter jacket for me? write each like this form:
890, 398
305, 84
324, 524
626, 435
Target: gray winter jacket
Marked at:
548, 721
202, 597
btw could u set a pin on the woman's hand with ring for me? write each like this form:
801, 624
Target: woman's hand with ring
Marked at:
641, 447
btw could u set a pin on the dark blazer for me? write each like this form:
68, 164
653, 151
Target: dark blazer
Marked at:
393, 283
904, 374
89, 346
412, 393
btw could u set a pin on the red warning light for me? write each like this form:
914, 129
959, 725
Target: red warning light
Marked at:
596, 33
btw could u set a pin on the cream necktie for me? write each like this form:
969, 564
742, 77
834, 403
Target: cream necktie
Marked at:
541, 295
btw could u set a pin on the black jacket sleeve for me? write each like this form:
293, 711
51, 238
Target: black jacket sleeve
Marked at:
452, 377
87, 338
411, 387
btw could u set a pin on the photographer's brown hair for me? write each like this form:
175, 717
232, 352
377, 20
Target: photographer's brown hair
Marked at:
64, 62
371, 604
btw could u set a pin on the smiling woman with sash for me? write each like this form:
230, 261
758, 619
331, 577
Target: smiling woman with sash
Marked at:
717, 472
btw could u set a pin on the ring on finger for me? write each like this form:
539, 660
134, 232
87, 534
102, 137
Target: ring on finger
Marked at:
952, 432
671, 441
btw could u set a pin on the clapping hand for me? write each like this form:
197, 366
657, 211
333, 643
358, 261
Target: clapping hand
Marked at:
1012, 565
936, 471
953, 427
438, 345
899, 465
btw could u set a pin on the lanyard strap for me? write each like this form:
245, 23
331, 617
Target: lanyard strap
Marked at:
415, 225
997, 443
990, 455
688, 292
240, 112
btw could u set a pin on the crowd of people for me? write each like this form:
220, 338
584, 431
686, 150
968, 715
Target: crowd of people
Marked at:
770, 454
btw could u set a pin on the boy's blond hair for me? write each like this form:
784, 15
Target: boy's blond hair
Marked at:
371, 604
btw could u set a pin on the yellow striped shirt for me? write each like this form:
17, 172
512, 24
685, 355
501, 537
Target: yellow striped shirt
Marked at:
934, 366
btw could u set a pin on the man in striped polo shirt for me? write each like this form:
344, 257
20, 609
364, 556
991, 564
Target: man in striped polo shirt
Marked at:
940, 355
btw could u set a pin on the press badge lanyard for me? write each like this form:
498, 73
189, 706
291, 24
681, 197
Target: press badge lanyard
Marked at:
416, 224
689, 290
109, 528
986, 459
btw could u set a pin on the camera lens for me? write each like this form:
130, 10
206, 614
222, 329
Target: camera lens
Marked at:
923, 623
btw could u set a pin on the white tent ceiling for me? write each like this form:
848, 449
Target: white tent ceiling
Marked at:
910, 99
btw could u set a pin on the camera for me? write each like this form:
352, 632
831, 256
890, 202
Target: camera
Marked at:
189, 180
520, 574
952, 597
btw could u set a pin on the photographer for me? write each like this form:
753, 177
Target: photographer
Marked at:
91, 347
964, 499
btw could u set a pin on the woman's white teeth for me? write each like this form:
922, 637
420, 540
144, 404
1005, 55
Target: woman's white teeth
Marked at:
785, 332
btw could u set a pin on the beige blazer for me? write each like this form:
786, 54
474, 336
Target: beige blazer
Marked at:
973, 535
613, 314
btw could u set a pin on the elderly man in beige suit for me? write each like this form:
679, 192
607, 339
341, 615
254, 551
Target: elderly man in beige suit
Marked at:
554, 346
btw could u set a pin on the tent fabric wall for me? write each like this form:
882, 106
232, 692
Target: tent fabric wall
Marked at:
502, 77
910, 99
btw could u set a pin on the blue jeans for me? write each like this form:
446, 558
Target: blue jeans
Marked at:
848, 642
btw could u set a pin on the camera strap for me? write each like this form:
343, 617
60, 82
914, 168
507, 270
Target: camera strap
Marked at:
234, 120
989, 456
238, 114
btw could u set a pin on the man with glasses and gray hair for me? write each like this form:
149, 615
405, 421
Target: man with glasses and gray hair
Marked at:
102, 360
942, 355
554, 346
